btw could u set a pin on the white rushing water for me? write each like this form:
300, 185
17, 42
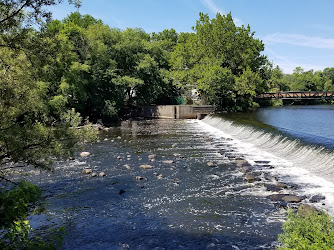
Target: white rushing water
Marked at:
310, 167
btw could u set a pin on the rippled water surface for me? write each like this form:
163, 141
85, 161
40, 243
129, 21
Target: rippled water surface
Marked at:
191, 206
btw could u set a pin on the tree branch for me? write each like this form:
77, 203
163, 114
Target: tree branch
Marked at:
14, 13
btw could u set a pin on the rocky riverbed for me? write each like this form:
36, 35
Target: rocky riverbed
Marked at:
166, 184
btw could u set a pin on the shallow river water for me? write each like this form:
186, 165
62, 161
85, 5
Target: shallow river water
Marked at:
183, 204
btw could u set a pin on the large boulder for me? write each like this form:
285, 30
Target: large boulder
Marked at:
292, 199
285, 197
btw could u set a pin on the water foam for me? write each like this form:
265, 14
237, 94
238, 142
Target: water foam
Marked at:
310, 167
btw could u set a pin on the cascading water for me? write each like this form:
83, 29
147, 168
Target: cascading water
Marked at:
310, 166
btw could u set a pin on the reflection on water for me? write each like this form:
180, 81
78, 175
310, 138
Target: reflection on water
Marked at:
184, 204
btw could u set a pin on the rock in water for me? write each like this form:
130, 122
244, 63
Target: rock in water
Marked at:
276, 197
140, 178
168, 161
84, 154
102, 174
211, 164
94, 174
249, 177
146, 166
241, 163
121, 192
317, 198
292, 199
127, 166
87, 171
151, 157
307, 210
285, 197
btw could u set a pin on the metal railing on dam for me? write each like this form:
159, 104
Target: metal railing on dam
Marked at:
297, 95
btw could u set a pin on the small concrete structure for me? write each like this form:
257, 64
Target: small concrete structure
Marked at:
177, 111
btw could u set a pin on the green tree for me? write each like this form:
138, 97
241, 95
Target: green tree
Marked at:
220, 43
278, 81
34, 123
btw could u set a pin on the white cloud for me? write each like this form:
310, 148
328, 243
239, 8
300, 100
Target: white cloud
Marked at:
289, 64
300, 40
214, 9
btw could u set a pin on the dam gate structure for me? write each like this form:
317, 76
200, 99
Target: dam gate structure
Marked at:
177, 111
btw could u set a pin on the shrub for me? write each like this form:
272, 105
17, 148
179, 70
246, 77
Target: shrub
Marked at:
311, 230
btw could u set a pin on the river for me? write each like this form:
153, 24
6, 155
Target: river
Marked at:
182, 202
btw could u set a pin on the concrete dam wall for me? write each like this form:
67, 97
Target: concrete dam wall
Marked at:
177, 111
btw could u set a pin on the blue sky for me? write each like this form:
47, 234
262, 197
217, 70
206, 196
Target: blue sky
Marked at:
295, 32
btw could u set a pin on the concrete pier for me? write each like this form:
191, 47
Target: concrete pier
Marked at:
177, 111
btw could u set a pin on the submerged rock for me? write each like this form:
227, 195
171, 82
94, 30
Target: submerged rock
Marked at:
317, 198
121, 192
262, 162
160, 176
127, 166
246, 169
146, 166
84, 154
281, 185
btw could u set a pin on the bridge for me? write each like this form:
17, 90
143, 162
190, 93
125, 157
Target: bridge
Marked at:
297, 95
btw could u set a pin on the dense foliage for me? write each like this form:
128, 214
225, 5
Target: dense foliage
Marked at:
221, 60
307, 231
104, 72
301, 80
35, 126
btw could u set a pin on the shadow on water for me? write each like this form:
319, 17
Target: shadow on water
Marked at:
181, 203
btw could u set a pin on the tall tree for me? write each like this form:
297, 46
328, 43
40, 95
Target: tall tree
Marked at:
219, 46
34, 124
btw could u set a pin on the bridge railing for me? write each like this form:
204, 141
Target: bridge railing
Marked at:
297, 95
